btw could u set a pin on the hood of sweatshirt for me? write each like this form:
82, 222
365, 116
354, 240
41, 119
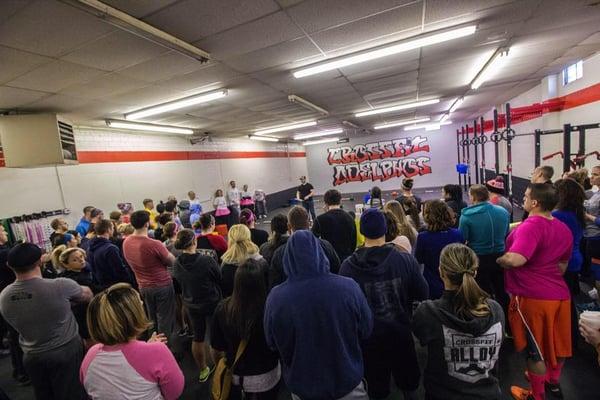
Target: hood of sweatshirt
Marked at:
477, 208
374, 261
304, 256
187, 261
99, 243
474, 326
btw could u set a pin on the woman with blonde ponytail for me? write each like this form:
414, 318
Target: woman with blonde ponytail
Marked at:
239, 248
462, 331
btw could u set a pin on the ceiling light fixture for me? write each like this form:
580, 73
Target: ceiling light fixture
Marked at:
445, 117
311, 142
177, 104
494, 63
401, 123
264, 138
318, 134
399, 107
384, 51
427, 127
133, 25
284, 128
148, 127
457, 103
292, 98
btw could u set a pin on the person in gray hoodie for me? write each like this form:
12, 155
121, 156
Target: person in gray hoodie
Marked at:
391, 281
462, 332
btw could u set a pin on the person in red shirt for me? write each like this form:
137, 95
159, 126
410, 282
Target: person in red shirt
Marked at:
149, 260
208, 239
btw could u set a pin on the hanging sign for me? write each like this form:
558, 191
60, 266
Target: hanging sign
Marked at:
380, 161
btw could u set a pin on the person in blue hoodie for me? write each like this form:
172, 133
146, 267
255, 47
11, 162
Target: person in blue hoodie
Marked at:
104, 257
316, 321
484, 227
391, 281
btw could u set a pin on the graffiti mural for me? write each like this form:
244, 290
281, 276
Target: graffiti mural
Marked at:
380, 161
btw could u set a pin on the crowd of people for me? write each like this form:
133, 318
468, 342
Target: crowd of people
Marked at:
326, 306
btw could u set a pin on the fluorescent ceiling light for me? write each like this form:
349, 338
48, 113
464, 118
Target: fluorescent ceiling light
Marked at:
148, 127
457, 103
177, 104
415, 43
318, 134
401, 123
292, 98
399, 107
311, 142
264, 138
427, 127
494, 63
284, 128
444, 117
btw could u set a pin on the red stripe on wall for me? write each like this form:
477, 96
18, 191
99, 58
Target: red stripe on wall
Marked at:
581, 97
90, 157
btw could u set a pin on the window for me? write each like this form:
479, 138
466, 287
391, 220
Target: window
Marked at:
572, 72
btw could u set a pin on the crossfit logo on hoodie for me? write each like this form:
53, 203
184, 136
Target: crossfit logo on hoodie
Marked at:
470, 358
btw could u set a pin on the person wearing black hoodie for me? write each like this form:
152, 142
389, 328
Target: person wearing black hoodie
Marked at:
278, 237
391, 281
200, 279
462, 332
318, 338
298, 220
104, 257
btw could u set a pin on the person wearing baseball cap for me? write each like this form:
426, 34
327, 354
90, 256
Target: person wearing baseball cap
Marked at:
40, 310
391, 280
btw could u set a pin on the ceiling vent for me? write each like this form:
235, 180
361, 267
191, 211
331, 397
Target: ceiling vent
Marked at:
37, 139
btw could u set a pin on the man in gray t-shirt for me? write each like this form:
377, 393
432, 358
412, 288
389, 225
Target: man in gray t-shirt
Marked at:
40, 310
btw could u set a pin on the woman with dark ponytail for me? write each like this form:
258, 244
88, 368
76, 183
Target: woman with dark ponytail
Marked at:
462, 332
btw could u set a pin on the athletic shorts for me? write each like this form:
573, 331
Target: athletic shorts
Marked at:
541, 328
200, 323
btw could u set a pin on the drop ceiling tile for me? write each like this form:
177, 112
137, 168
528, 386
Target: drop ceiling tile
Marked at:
14, 97
274, 56
372, 31
163, 67
211, 76
51, 28
315, 15
192, 20
55, 76
14, 63
11, 7
145, 97
103, 87
116, 50
267, 31
57, 103
137, 8
437, 10
389, 66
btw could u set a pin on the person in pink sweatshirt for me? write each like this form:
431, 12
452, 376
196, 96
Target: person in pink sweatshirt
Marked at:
120, 366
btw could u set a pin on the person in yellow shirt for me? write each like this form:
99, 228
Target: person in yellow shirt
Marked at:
149, 206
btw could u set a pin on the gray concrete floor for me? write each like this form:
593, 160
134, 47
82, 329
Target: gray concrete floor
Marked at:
579, 381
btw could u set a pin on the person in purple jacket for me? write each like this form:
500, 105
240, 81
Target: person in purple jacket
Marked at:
391, 281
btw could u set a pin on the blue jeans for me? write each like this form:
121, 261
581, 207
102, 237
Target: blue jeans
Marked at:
309, 205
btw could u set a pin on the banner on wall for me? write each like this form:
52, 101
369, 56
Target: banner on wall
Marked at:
380, 161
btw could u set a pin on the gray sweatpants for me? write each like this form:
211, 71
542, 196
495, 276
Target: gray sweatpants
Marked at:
160, 305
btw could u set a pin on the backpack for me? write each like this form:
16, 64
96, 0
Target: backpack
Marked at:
223, 375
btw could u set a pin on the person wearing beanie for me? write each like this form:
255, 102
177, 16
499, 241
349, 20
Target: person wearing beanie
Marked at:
406, 192
391, 280
497, 191
40, 310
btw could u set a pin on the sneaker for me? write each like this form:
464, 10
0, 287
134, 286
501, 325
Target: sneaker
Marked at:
554, 389
204, 374
518, 393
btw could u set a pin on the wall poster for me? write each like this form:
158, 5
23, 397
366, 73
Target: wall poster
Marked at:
380, 161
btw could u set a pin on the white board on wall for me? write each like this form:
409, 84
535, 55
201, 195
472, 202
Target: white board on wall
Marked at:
432, 154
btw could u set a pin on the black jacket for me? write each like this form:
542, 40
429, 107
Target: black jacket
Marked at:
107, 265
338, 228
200, 280
268, 249
277, 275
